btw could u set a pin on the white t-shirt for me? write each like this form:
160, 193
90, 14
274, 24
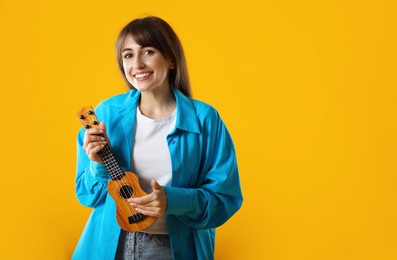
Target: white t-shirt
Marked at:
151, 158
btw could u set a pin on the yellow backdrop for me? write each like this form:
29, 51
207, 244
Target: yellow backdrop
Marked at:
307, 89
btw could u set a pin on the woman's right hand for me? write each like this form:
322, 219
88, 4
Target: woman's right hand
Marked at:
94, 141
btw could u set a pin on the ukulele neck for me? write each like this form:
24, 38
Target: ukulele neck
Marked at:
111, 163
89, 120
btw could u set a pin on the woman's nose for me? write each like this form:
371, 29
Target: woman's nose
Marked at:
138, 63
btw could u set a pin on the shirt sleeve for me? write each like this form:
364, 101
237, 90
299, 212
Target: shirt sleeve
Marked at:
219, 194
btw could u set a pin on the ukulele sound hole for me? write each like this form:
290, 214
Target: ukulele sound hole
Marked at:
126, 192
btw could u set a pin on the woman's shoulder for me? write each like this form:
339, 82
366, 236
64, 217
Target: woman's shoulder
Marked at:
204, 110
207, 115
192, 105
119, 100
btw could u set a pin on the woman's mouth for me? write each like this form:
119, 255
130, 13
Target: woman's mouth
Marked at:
143, 76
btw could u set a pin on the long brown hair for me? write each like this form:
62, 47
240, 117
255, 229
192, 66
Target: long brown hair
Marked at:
154, 32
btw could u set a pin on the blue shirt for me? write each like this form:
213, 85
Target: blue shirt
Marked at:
204, 191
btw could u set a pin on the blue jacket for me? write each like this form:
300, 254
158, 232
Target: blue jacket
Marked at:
204, 191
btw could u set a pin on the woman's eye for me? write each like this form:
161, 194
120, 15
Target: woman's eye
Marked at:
149, 52
127, 56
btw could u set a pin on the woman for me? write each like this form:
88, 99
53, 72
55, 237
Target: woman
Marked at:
178, 147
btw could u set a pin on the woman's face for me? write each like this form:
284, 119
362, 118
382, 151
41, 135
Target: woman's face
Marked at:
145, 67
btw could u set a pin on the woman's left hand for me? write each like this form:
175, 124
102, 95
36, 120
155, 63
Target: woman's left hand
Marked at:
153, 204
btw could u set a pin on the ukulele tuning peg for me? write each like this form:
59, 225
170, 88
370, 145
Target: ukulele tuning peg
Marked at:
90, 112
82, 117
87, 126
94, 122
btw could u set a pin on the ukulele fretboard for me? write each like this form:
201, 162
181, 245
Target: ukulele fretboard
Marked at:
111, 164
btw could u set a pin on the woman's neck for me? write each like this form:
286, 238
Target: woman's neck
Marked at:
157, 104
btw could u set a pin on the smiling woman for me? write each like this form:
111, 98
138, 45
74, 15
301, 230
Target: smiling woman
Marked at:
157, 34
178, 147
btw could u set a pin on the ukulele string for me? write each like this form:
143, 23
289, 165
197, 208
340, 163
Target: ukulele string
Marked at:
116, 171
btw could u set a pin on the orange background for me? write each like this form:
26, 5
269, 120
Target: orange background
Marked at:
306, 88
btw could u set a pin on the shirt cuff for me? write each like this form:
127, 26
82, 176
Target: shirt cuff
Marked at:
99, 171
179, 200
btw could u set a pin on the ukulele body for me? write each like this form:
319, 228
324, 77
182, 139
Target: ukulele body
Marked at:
127, 217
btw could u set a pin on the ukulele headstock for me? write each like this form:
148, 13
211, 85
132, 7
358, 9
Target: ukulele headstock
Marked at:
87, 117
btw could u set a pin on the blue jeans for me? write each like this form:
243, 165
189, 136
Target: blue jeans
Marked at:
142, 246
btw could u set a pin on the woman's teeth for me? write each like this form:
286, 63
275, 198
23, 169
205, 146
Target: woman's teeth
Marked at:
142, 75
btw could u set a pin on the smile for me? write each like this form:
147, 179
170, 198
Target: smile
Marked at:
142, 76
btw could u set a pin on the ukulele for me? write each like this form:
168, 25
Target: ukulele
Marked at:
122, 185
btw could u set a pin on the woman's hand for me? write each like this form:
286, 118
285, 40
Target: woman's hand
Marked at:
153, 204
94, 141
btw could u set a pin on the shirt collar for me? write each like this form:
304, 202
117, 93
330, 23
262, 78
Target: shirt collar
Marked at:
186, 118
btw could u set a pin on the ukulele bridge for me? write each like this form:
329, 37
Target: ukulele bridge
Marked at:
136, 218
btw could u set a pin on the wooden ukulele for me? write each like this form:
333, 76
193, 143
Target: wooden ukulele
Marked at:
122, 185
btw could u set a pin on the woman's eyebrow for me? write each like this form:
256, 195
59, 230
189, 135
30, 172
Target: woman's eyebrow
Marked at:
126, 49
